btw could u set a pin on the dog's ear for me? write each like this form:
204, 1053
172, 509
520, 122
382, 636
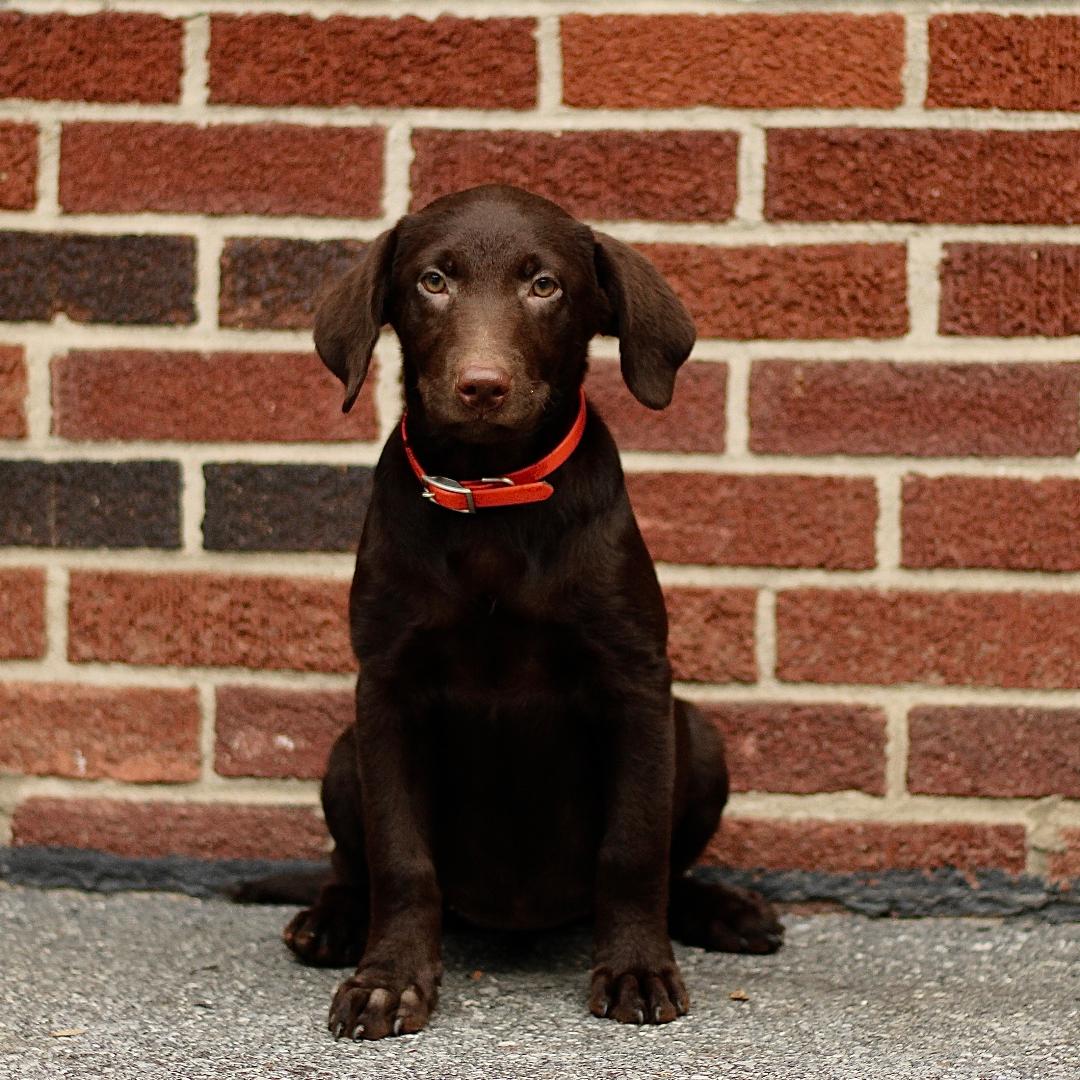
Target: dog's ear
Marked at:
655, 331
350, 317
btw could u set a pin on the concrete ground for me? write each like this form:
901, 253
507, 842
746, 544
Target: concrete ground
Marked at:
165, 986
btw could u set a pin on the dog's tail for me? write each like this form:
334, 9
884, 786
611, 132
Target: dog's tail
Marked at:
300, 888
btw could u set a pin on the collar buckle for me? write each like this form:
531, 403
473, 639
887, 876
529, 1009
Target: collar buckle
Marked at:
451, 487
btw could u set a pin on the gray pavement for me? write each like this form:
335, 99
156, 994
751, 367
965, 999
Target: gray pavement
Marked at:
165, 986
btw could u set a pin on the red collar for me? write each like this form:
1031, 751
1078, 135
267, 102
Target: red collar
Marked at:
514, 489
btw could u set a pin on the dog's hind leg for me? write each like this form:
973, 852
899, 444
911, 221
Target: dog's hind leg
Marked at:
710, 915
332, 932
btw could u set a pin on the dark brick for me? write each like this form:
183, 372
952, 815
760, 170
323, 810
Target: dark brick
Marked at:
994, 752
447, 62
111, 279
104, 56
90, 504
663, 175
1010, 290
961, 176
285, 507
273, 284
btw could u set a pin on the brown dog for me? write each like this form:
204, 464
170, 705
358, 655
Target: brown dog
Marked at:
517, 756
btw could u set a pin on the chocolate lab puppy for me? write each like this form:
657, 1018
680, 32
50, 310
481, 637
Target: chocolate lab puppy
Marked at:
517, 758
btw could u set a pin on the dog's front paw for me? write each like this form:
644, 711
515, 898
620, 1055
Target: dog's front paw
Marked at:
373, 1004
325, 936
638, 995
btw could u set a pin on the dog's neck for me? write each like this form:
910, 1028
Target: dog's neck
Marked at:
443, 455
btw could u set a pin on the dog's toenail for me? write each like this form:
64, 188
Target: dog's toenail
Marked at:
357, 1032
399, 1025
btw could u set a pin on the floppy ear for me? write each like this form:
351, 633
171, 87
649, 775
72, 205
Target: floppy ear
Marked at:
349, 319
655, 331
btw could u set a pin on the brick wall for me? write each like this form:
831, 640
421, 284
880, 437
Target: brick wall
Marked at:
865, 500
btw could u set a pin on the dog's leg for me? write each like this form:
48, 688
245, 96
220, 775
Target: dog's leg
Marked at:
396, 985
635, 978
710, 915
332, 932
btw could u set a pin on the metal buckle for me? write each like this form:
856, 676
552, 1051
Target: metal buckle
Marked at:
451, 487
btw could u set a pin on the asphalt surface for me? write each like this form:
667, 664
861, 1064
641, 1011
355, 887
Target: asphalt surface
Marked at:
165, 986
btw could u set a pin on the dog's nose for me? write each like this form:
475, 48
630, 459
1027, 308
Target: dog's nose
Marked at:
483, 388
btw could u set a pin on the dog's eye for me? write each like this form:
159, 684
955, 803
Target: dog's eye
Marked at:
544, 287
433, 281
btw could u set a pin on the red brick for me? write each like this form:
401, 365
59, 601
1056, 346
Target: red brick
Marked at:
408, 62
204, 397
759, 520
22, 614
962, 177
106, 56
214, 620
1010, 290
1065, 864
283, 733
917, 409
988, 61
789, 291
694, 421
774, 746
221, 169
18, 166
846, 846
750, 61
994, 752
12, 393
1011, 639
154, 829
90, 732
994, 521
663, 175
711, 635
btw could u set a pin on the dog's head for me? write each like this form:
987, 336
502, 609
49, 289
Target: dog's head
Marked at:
494, 294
